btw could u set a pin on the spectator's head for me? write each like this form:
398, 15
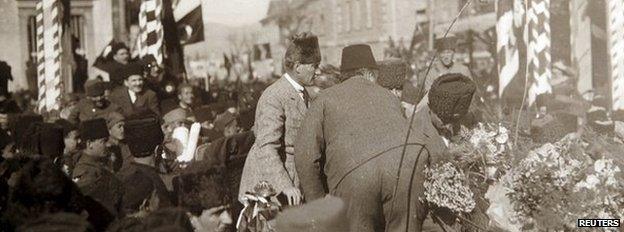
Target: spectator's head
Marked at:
358, 60
450, 97
42, 139
392, 75
446, 50
133, 78
226, 123
202, 190
303, 57
151, 66
95, 91
173, 119
115, 124
143, 136
186, 95
120, 53
94, 135
70, 135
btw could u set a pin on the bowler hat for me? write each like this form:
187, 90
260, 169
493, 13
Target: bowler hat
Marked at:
357, 56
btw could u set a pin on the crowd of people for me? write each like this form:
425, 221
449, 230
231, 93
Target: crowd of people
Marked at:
348, 158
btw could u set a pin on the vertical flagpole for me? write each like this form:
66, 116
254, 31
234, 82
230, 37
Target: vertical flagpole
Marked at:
40, 57
538, 51
615, 45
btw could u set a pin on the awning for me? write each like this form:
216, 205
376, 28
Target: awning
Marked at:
478, 23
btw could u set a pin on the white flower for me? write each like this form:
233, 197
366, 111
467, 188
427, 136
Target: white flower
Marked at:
599, 165
502, 138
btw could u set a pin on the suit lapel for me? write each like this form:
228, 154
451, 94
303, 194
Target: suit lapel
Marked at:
293, 96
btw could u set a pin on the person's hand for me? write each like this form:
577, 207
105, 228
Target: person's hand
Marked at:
293, 195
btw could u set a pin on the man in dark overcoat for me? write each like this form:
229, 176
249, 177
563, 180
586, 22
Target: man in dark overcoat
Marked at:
350, 145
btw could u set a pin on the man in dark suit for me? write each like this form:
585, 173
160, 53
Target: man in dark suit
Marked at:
133, 98
95, 105
350, 145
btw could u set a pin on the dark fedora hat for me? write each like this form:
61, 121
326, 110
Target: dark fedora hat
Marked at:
357, 56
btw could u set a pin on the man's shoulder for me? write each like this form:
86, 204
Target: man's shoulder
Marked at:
149, 93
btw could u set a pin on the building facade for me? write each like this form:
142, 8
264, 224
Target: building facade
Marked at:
93, 22
339, 23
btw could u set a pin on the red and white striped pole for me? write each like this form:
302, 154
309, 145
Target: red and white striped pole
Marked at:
49, 51
538, 50
615, 33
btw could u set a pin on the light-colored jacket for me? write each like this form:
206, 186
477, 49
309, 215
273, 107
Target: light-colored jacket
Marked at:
279, 114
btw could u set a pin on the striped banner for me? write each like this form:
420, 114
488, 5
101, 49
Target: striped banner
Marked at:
49, 30
615, 33
538, 50
152, 34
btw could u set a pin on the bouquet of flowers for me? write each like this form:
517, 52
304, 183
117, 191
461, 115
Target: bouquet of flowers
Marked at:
481, 150
261, 206
445, 186
553, 186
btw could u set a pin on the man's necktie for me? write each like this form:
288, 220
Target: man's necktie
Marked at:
306, 97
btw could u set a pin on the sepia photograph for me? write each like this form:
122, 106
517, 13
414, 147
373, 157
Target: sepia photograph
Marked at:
311, 115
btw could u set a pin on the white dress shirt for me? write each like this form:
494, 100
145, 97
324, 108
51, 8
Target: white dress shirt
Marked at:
133, 96
295, 85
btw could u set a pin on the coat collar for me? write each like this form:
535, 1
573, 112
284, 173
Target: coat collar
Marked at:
292, 94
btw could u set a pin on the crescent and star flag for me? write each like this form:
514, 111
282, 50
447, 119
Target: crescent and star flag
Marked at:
189, 21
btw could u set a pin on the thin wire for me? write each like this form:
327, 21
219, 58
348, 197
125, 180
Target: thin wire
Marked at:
421, 89
526, 82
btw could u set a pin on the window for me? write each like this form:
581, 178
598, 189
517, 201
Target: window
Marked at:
347, 15
369, 14
76, 27
356, 15
339, 18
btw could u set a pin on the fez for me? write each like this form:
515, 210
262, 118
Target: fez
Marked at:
446, 43
392, 73
357, 56
143, 136
93, 129
451, 94
304, 48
